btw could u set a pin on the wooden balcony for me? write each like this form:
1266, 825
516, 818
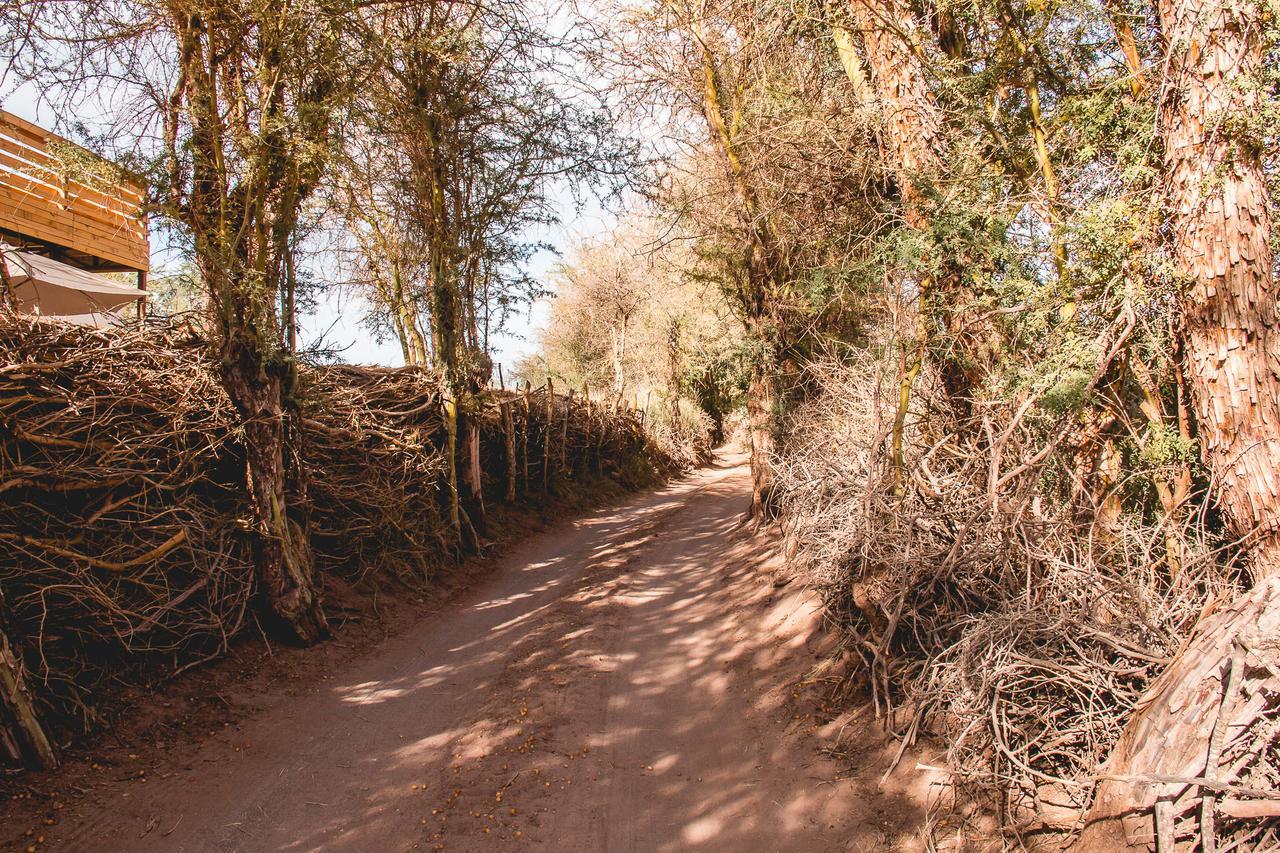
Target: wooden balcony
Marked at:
63, 201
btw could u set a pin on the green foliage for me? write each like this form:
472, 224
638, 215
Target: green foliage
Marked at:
1165, 447
1069, 391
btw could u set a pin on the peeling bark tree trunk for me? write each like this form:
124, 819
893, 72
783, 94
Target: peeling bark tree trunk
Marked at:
1169, 737
913, 121
1219, 220
1220, 225
914, 134
913, 128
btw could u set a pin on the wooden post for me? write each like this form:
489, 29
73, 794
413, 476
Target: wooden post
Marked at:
509, 433
605, 423
450, 407
21, 734
475, 477
502, 383
524, 441
546, 436
586, 425
564, 432
142, 310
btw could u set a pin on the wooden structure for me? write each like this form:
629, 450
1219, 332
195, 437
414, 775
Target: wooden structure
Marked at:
64, 202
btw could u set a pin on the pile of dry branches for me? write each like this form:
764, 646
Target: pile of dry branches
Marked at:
983, 602
122, 525
370, 439
123, 539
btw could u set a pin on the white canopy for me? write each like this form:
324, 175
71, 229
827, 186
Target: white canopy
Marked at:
51, 288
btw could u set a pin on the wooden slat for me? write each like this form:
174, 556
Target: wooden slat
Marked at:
36, 194
41, 166
41, 210
102, 249
91, 204
24, 127
113, 252
37, 138
103, 205
38, 202
74, 232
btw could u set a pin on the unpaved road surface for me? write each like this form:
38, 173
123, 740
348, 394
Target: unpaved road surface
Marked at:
624, 683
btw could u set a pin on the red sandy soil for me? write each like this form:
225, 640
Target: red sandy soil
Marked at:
630, 681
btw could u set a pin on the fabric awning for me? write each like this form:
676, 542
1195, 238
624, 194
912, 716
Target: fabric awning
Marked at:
51, 288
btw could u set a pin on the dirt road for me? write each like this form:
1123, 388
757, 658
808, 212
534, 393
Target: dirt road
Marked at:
623, 683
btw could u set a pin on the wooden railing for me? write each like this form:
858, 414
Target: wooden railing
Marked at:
58, 193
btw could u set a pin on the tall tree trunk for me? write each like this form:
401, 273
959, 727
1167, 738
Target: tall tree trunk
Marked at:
282, 552
762, 263
914, 134
913, 131
1219, 227
242, 237
913, 121
761, 403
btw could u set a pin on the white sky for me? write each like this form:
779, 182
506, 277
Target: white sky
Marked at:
339, 315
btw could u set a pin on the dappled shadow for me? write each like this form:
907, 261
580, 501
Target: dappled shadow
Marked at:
618, 686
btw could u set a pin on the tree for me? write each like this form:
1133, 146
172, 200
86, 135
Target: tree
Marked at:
630, 311
607, 281
376, 243
771, 174
466, 94
247, 136
241, 98
1219, 216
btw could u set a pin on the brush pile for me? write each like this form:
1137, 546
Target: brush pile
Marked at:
987, 601
374, 474
123, 551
